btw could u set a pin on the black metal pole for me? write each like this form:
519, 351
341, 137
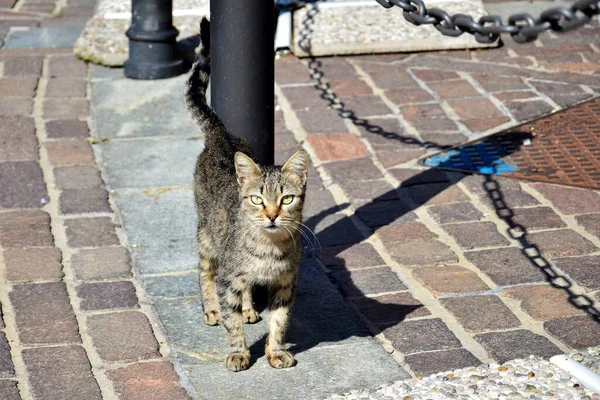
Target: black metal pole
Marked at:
242, 71
152, 45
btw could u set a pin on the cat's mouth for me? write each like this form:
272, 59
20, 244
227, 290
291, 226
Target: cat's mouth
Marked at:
271, 228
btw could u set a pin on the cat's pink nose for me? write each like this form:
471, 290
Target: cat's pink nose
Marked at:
272, 218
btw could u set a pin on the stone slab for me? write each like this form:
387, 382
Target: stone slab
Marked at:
43, 38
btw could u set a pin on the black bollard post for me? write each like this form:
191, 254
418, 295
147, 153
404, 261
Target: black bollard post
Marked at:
242, 71
152, 45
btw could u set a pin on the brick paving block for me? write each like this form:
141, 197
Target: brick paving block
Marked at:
481, 313
146, 381
44, 8
512, 199
368, 281
494, 83
91, 232
444, 139
123, 337
576, 332
591, 223
377, 190
21, 66
59, 373
382, 132
437, 193
454, 89
404, 233
411, 337
561, 243
543, 302
450, 279
380, 73
522, 94
569, 200
411, 177
484, 124
337, 147
475, 108
304, 98
429, 75
360, 255
65, 108
22, 86
349, 87
425, 364
422, 112
290, 70
476, 184
70, 152
393, 158
458, 212
476, 234
405, 96
433, 128
317, 201
336, 68
360, 169
422, 253
366, 106
320, 119
527, 110
536, 218
390, 309
7, 368
32, 264
17, 139
507, 266
23, 185
334, 230
43, 314
505, 346
103, 263
66, 66
76, 201
584, 270
77, 177
25, 228
66, 87
67, 128
380, 213
11, 106
107, 296
9, 390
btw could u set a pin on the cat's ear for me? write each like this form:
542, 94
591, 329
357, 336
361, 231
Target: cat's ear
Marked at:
245, 168
297, 165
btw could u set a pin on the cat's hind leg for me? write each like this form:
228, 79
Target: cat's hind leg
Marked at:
280, 308
249, 314
207, 271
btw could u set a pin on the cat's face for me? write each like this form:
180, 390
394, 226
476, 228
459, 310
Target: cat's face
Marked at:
272, 197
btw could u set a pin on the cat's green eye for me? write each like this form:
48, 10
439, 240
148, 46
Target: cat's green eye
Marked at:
256, 200
287, 199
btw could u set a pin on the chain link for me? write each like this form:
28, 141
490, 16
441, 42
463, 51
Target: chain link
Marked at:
522, 27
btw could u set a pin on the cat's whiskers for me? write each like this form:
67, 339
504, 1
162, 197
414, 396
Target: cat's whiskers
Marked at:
311, 232
304, 234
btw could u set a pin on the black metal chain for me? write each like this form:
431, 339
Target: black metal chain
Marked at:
522, 27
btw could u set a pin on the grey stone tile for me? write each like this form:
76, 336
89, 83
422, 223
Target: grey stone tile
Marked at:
177, 286
42, 38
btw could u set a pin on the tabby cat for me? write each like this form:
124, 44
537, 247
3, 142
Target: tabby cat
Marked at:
248, 228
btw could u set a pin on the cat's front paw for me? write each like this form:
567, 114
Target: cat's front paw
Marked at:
281, 359
250, 316
212, 318
238, 362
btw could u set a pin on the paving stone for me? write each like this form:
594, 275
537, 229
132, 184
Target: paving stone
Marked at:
104, 263
449, 279
45, 37
144, 381
107, 296
18, 86
561, 243
21, 66
123, 337
335, 229
380, 213
10, 106
290, 70
453, 89
481, 313
65, 108
32, 264
321, 120
512, 199
91, 232
9, 390
58, 373
70, 152
66, 128
568, 200
411, 337
576, 332
406, 96
591, 223
391, 159
23, 185
429, 75
318, 201
337, 147
377, 190
66, 87
484, 124
523, 94
401, 233
476, 184
349, 87
440, 131
507, 266
543, 302
7, 368
25, 228
17, 139
527, 110
45, 8
360, 255
423, 112
379, 73
77, 177
475, 108
366, 106
505, 346
425, 364
535, 218
584, 270
77, 201
458, 212
43, 314
476, 234
174, 286
437, 193
390, 309
382, 132
422, 253
368, 281
411, 177
494, 83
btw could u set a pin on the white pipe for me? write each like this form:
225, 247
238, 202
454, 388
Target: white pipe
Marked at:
583, 374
